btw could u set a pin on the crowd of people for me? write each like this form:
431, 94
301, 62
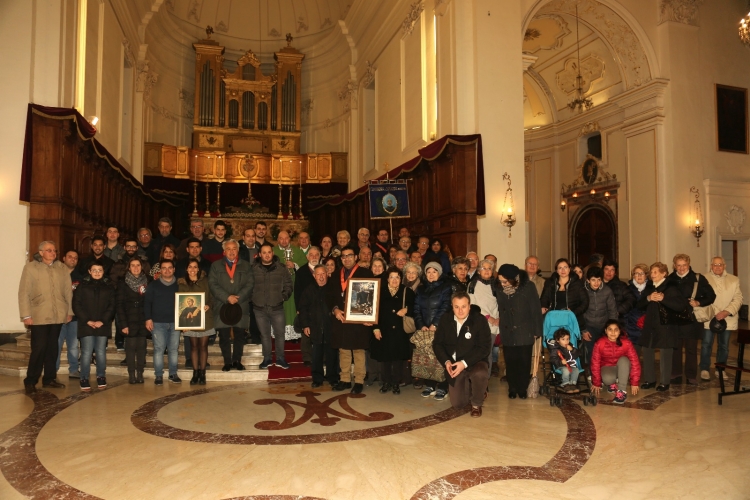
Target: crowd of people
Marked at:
446, 323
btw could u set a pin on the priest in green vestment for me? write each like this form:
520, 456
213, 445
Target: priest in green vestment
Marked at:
294, 258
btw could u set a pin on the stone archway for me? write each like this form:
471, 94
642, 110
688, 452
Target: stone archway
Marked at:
593, 230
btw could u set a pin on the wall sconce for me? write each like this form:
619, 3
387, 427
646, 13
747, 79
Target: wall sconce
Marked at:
575, 195
606, 195
508, 217
697, 228
592, 192
563, 205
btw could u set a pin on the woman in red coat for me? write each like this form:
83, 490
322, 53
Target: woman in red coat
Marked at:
614, 360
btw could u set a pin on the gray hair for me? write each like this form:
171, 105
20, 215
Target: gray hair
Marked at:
317, 249
321, 266
167, 220
147, 230
412, 265
46, 242
720, 258
229, 242
196, 220
363, 229
461, 260
488, 261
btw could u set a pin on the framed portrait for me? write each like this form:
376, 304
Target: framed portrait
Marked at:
188, 311
731, 119
362, 300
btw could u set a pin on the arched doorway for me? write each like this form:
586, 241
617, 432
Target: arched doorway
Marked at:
594, 231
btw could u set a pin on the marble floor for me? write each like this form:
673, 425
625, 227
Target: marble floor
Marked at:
263, 440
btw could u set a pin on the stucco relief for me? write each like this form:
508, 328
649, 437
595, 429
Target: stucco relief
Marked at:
592, 70
412, 17
348, 95
369, 75
679, 11
735, 217
615, 30
145, 79
551, 30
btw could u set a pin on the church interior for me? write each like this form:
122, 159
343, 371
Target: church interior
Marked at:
553, 128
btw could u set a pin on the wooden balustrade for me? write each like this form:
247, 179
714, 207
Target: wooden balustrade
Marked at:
76, 189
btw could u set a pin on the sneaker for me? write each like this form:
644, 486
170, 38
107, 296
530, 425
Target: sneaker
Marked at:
158, 381
620, 397
282, 364
175, 379
85, 386
612, 388
101, 382
427, 392
724, 375
439, 395
706, 376
120, 349
265, 364
75, 374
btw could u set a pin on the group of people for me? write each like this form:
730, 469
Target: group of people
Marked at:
445, 323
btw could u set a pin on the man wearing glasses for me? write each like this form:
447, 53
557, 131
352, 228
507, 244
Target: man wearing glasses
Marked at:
532, 268
45, 301
350, 339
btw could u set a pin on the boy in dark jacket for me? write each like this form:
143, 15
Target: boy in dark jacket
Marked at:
565, 357
602, 307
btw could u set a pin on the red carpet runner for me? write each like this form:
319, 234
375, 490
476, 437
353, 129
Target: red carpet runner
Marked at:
296, 368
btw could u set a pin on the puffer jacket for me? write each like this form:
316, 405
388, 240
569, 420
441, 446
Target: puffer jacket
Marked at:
432, 301
273, 284
577, 298
607, 353
634, 315
94, 300
570, 357
602, 307
624, 300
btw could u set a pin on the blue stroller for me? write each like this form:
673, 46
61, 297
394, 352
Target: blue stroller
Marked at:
553, 321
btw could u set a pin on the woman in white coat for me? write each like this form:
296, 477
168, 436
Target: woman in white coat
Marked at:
482, 292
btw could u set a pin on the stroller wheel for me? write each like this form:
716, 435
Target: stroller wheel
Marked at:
594, 401
585, 401
552, 401
558, 401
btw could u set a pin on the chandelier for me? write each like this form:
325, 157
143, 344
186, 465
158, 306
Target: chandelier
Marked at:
745, 30
581, 101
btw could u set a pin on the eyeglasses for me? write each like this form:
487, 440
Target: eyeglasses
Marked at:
347, 256
486, 269
639, 274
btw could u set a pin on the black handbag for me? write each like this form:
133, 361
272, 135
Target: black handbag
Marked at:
679, 318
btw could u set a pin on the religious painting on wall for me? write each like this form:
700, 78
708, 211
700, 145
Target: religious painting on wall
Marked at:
731, 119
389, 200
188, 313
362, 300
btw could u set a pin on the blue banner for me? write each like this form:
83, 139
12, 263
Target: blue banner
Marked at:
389, 200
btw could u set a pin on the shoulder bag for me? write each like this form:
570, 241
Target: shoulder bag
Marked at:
409, 325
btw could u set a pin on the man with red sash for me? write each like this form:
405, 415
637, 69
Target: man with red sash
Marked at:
350, 339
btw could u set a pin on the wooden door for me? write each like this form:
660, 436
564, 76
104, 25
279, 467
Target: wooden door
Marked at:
595, 232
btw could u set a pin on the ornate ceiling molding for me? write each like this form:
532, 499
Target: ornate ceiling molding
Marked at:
129, 57
145, 79
415, 10
592, 70
589, 128
369, 75
564, 31
679, 11
615, 31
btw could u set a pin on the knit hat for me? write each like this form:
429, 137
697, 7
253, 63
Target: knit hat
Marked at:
434, 265
509, 271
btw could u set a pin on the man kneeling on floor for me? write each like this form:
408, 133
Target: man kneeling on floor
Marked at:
462, 344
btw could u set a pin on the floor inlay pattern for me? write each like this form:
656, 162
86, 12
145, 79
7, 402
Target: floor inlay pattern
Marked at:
655, 400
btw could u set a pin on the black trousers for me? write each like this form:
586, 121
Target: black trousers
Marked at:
43, 353
119, 337
135, 354
691, 359
226, 343
324, 353
392, 371
305, 347
518, 367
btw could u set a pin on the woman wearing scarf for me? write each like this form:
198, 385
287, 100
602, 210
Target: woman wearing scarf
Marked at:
391, 344
130, 296
482, 292
196, 282
412, 276
635, 317
520, 323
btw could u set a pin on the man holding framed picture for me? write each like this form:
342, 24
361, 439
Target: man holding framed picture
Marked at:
351, 339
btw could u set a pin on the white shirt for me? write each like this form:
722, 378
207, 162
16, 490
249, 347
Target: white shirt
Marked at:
459, 325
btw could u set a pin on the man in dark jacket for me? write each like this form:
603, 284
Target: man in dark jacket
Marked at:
462, 344
602, 307
624, 298
159, 313
315, 319
303, 278
273, 285
194, 249
97, 254
165, 236
249, 253
349, 338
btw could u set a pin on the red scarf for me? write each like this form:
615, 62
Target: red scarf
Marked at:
345, 281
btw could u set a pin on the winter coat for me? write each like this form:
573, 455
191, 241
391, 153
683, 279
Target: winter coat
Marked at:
130, 313
607, 353
273, 284
45, 293
624, 300
485, 296
728, 298
458, 286
655, 335
576, 298
569, 357
106, 263
222, 287
394, 343
472, 344
520, 314
315, 314
705, 295
303, 278
184, 285
538, 283
346, 335
94, 300
122, 266
634, 315
432, 301
602, 307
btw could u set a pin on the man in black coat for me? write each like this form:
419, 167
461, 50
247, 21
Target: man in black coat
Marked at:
462, 344
624, 298
165, 236
315, 319
350, 339
302, 280
97, 255
194, 249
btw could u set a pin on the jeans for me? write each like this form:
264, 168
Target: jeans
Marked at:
164, 337
91, 344
69, 335
569, 377
722, 350
266, 319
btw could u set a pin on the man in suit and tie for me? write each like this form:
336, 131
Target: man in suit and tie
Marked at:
462, 344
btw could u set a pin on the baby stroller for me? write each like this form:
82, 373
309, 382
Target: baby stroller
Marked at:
553, 321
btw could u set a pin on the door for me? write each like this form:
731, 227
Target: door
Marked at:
594, 232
